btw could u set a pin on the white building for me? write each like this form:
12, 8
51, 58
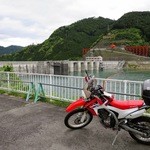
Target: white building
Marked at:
98, 58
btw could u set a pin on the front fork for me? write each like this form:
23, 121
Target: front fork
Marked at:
82, 116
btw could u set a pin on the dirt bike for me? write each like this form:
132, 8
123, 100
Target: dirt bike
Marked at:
112, 113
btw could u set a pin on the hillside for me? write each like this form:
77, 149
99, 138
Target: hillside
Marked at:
121, 37
67, 42
119, 55
10, 49
139, 20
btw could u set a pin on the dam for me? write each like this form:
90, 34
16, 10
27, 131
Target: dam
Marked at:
58, 67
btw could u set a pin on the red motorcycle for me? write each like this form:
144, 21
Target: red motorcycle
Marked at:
112, 113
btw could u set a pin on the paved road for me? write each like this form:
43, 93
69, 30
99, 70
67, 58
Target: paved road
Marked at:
29, 126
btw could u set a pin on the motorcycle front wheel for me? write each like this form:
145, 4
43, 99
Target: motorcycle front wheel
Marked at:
78, 118
141, 124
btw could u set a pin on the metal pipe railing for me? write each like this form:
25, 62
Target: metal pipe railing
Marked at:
67, 87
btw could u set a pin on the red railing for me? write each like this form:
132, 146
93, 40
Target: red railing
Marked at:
139, 50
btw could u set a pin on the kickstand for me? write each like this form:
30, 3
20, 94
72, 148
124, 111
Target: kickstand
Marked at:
115, 137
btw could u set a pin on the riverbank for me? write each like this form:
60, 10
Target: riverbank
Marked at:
137, 65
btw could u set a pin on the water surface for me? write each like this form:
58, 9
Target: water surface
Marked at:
118, 74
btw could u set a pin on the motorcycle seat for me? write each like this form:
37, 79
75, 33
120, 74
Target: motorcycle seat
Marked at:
128, 104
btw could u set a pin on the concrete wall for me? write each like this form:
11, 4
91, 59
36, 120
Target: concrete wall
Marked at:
138, 65
47, 67
110, 64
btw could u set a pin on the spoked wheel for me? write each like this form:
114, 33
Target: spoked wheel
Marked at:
142, 124
78, 118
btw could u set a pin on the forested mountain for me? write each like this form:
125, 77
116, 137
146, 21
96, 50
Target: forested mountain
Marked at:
67, 42
139, 20
10, 49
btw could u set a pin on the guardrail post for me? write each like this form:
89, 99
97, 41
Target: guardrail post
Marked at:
31, 91
125, 89
50, 86
39, 92
8, 81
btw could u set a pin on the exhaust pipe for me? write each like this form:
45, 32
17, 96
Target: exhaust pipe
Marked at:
127, 128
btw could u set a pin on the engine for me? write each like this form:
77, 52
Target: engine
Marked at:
106, 118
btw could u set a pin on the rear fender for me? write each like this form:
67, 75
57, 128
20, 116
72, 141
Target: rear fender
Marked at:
78, 103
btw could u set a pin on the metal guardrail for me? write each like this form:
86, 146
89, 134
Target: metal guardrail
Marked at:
66, 87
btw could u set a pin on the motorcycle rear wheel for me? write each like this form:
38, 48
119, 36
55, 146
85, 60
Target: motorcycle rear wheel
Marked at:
78, 118
144, 126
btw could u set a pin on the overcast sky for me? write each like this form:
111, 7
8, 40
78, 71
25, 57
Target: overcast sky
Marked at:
24, 22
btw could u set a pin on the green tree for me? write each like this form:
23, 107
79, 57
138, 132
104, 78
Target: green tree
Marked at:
7, 68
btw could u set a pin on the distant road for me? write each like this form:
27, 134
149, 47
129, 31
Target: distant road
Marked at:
29, 126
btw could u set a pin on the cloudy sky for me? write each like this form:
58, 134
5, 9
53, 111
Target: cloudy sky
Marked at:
24, 22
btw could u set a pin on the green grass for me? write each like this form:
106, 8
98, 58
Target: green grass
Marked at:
13, 93
2, 92
55, 102
59, 103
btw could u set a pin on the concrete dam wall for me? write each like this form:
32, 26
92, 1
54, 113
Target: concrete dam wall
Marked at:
58, 67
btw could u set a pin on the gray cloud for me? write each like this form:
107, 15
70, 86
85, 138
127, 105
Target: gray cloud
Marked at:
32, 21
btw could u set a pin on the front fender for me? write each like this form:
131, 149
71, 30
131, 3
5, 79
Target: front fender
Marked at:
78, 103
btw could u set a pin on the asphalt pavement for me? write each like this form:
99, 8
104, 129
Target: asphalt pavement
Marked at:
40, 126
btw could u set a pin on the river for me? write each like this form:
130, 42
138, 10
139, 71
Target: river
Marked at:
118, 74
